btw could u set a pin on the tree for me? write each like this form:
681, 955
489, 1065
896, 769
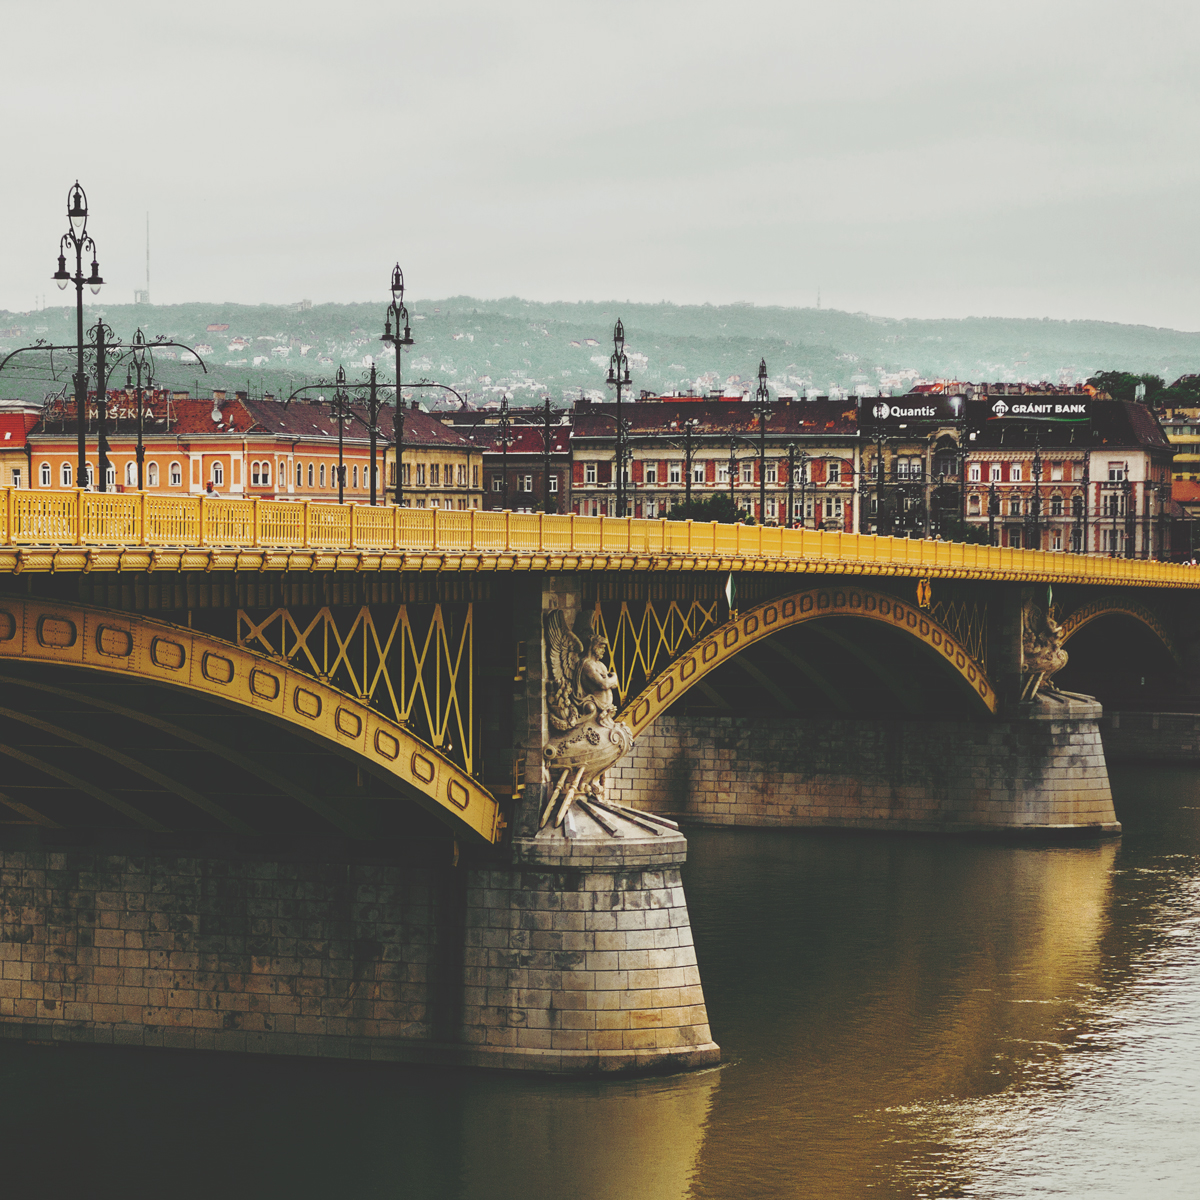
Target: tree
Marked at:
1121, 385
717, 507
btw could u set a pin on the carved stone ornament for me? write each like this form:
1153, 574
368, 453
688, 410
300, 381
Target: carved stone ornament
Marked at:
1042, 655
585, 740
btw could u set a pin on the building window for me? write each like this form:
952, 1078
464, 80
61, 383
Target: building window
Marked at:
255, 475
282, 472
1056, 506
554, 483
973, 473
218, 474
1056, 473
91, 476
266, 474
674, 472
1056, 540
748, 471
994, 474
110, 477
474, 477
651, 472
497, 484
1014, 473
44, 475
527, 483
322, 475
131, 474
16, 477
722, 472
589, 472
152, 474
1014, 507
1116, 471
433, 475
835, 471
772, 474
972, 506
697, 472
448, 475
176, 475
407, 475
312, 474
356, 474
421, 476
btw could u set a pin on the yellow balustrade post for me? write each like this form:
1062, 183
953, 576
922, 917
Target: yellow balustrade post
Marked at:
307, 524
395, 527
433, 515
713, 535
508, 529
79, 516
662, 545
8, 516
689, 535
141, 518
257, 533
203, 538
353, 529
571, 529
471, 528
628, 534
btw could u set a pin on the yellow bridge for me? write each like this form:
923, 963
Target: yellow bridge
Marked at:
88, 531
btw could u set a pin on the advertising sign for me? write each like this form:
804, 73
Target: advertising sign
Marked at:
1038, 408
896, 412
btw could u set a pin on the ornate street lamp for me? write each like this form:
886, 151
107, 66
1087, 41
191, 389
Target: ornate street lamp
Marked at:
689, 427
505, 439
618, 377
341, 412
78, 239
396, 333
762, 410
139, 363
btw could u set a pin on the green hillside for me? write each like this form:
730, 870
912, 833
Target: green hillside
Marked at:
485, 347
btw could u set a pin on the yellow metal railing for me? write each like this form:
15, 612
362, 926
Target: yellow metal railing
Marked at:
77, 518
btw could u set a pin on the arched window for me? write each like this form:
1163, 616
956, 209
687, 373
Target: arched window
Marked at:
281, 476
131, 474
67, 475
110, 477
44, 474
152, 474
91, 475
176, 475
254, 474
218, 474
266, 474
299, 474
310, 474
322, 474
356, 475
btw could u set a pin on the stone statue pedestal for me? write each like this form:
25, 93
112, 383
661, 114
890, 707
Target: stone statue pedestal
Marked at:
579, 958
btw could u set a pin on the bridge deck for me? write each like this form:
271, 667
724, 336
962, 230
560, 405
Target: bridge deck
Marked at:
78, 531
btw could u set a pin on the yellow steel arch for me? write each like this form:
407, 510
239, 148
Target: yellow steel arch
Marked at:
772, 616
1114, 604
154, 651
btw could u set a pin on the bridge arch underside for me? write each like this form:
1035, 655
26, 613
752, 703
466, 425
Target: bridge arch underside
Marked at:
1124, 663
82, 748
835, 666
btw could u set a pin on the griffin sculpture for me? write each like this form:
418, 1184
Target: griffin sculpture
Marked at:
1042, 653
586, 740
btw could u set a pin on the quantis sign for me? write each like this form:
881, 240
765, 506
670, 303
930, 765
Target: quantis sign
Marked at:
900, 411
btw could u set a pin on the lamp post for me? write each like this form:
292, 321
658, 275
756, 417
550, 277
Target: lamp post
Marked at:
618, 377
341, 412
762, 410
397, 320
547, 444
1033, 537
78, 239
101, 337
803, 459
791, 486
139, 364
993, 509
505, 440
689, 428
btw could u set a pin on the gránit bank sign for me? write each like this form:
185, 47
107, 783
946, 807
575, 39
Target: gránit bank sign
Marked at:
1077, 410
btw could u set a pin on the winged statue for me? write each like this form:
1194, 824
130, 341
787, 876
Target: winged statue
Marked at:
586, 739
1042, 653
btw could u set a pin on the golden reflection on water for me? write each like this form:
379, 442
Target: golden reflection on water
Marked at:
898, 974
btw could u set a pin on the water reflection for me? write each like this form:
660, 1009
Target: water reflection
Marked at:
901, 1017
859, 978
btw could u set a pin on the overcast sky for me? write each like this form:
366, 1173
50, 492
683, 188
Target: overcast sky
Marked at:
906, 157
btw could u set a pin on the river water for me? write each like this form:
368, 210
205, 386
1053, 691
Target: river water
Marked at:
900, 1016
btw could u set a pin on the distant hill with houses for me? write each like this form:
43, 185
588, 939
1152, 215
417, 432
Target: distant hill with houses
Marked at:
483, 348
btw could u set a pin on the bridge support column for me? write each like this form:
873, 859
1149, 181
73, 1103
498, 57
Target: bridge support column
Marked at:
579, 951
1039, 770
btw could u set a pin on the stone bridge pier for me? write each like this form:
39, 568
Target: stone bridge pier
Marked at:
929, 756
